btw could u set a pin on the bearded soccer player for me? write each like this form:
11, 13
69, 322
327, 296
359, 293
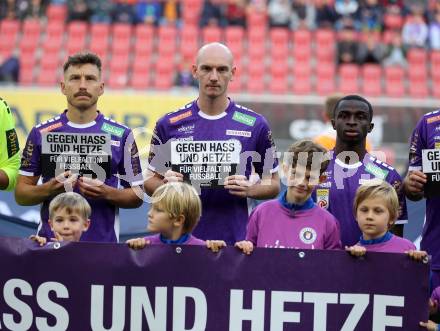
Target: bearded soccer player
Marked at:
89, 152
426, 137
224, 135
9, 148
351, 165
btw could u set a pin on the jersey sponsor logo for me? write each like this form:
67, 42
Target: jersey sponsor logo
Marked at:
307, 235
186, 129
116, 143
113, 130
243, 118
322, 197
180, 117
433, 119
12, 142
51, 127
238, 133
376, 171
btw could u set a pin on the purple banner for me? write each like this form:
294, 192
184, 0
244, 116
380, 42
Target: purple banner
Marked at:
89, 286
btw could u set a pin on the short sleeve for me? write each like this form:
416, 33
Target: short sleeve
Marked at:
252, 227
416, 144
333, 238
130, 166
159, 156
31, 157
267, 150
396, 181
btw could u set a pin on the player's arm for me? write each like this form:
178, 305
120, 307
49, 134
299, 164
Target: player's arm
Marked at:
9, 149
28, 193
414, 184
267, 188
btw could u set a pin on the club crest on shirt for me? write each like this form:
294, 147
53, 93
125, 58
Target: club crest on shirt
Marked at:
322, 198
189, 129
307, 235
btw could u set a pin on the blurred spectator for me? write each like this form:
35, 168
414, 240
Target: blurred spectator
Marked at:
434, 32
371, 16
100, 11
236, 12
148, 11
395, 54
25, 9
280, 13
257, 6
326, 15
393, 17
303, 15
184, 77
78, 10
415, 30
171, 12
7, 9
346, 7
9, 69
213, 13
372, 50
124, 11
347, 46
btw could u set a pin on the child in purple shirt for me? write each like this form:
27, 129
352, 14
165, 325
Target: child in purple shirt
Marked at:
294, 220
174, 213
376, 207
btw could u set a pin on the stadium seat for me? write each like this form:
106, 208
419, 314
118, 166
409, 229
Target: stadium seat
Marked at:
121, 31
325, 70
325, 85
257, 52
256, 19
302, 38
236, 85
279, 44
418, 73
9, 32
393, 21
256, 85
234, 37
28, 45
436, 88
117, 80
99, 31
212, 34
279, 85
143, 45
55, 30
164, 77
189, 41
119, 63
325, 38
435, 64
49, 62
76, 37
48, 77
255, 78
394, 81
26, 76
302, 83
371, 80
31, 28
417, 56
56, 13
348, 78
140, 80
191, 12
418, 90
256, 35
167, 41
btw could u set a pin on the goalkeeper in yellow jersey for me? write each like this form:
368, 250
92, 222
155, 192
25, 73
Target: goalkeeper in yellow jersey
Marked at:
9, 149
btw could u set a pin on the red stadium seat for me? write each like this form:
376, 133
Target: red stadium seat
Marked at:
279, 85
140, 80
234, 35
256, 19
55, 30
143, 45
348, 78
121, 31
255, 85
418, 73
9, 33
255, 79
325, 70
435, 64
48, 77
164, 77
212, 34
436, 87
302, 38
325, 85
371, 80
394, 81
117, 80
76, 37
99, 31
325, 41
417, 56
56, 13
31, 28
302, 83
256, 35
50, 62
167, 41
26, 76
119, 63
191, 11
28, 45
236, 85
418, 90
393, 21
257, 52
279, 40
189, 41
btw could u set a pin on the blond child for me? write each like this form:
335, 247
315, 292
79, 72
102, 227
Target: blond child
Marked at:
376, 208
294, 220
69, 218
175, 212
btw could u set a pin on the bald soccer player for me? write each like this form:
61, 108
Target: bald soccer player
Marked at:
224, 149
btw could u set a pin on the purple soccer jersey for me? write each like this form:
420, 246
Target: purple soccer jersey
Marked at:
337, 193
124, 163
155, 240
435, 295
426, 135
272, 225
394, 245
224, 216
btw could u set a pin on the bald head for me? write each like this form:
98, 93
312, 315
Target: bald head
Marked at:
214, 51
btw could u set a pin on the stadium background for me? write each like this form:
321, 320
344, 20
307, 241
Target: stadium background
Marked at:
282, 73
